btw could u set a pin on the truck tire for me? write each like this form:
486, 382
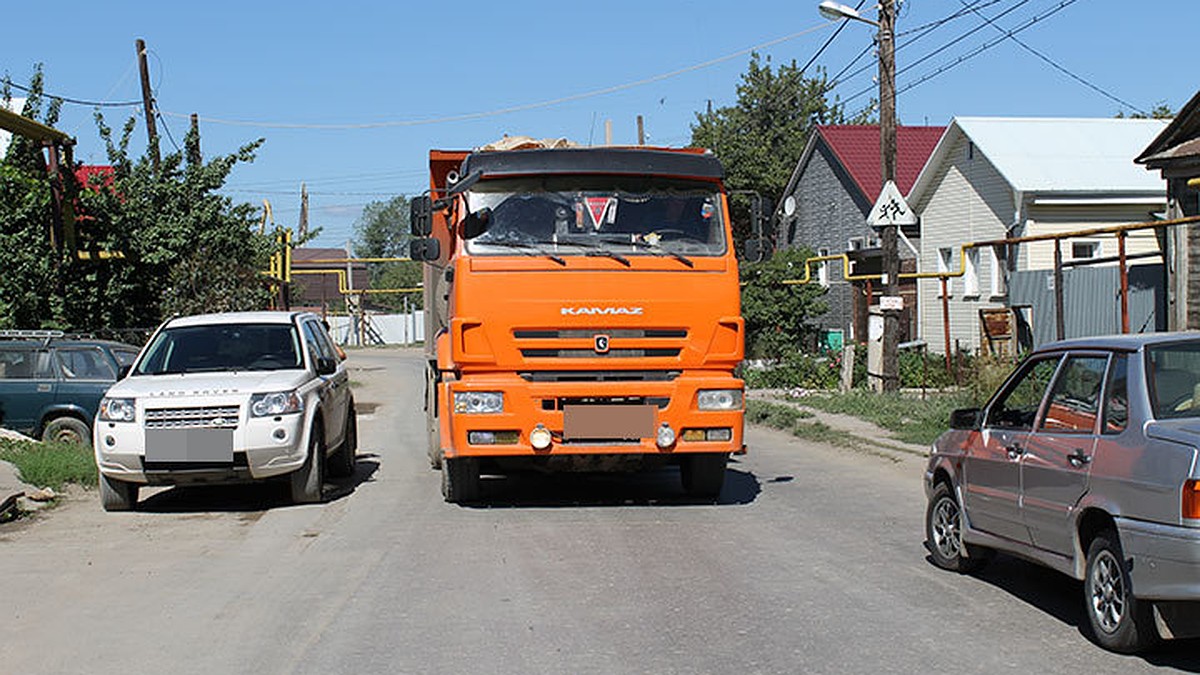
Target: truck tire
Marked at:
460, 479
67, 430
703, 474
117, 495
433, 431
308, 482
1119, 621
342, 462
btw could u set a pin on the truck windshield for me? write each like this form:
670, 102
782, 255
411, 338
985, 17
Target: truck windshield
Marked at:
222, 347
580, 215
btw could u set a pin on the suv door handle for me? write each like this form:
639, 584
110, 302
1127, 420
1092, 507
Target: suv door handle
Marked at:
1014, 451
1078, 459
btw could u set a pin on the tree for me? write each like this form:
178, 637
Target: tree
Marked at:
777, 316
760, 138
382, 231
1161, 111
184, 248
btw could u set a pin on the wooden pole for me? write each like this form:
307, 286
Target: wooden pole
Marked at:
1060, 326
148, 103
1124, 282
887, 162
641, 130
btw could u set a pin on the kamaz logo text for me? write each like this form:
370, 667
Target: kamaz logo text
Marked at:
601, 311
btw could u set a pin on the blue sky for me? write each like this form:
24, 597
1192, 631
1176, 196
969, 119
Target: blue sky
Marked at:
302, 74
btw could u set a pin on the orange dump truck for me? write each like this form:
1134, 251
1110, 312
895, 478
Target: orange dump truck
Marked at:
582, 314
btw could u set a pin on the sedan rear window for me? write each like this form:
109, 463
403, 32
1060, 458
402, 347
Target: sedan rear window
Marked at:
1174, 379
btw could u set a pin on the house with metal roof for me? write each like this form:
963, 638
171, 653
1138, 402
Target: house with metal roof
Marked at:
825, 207
991, 179
1175, 154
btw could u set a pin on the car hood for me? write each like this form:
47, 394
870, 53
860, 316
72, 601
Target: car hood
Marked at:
208, 384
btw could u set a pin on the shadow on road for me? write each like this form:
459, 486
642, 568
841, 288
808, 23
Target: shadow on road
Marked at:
651, 488
1061, 597
254, 497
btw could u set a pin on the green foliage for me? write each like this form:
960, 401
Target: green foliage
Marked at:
778, 317
186, 248
50, 464
760, 138
382, 231
1161, 111
796, 369
910, 418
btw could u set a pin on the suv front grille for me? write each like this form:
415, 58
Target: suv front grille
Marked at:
208, 417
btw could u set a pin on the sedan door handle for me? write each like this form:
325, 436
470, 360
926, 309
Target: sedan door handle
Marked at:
1078, 459
1014, 451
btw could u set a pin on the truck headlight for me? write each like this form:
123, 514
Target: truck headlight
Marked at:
275, 403
478, 402
117, 409
719, 399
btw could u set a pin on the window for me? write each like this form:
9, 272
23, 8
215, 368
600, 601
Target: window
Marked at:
84, 364
1075, 399
1175, 379
1085, 250
25, 364
943, 267
971, 273
854, 244
316, 348
1116, 400
1017, 406
996, 271
219, 347
823, 269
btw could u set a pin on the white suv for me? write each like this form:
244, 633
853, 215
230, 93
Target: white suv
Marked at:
228, 398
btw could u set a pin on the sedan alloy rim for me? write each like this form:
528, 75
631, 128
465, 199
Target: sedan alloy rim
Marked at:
946, 537
1108, 592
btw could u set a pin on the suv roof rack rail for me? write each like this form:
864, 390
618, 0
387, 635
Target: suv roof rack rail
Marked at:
30, 334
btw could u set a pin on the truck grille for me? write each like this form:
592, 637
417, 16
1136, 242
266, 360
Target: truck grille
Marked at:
592, 354
599, 375
588, 333
209, 417
580, 343
561, 402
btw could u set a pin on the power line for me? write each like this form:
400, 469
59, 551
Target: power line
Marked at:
830, 39
66, 99
511, 109
1058, 67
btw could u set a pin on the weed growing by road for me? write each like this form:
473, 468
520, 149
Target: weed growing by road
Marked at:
909, 418
50, 464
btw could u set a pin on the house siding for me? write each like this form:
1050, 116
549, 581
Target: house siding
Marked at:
1059, 219
827, 216
968, 200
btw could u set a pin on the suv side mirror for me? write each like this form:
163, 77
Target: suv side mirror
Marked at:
968, 419
326, 366
123, 371
425, 249
420, 216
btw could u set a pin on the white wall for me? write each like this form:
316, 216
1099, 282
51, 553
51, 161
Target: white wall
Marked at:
396, 329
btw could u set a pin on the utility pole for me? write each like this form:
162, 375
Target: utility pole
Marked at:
641, 131
887, 163
303, 225
194, 156
148, 103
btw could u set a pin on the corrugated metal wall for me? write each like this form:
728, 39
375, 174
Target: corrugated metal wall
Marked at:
1091, 300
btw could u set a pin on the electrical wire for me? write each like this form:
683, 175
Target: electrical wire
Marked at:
66, 99
1059, 68
512, 109
830, 39
167, 129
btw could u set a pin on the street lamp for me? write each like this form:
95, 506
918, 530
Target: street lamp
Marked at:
887, 163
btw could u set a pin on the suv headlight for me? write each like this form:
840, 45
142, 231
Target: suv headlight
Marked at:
476, 402
275, 403
719, 399
117, 409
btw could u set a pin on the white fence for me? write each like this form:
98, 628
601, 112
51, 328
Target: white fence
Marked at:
391, 329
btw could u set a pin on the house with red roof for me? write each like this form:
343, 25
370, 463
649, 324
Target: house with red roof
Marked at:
825, 207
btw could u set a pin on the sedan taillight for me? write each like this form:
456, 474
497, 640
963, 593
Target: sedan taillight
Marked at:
1190, 504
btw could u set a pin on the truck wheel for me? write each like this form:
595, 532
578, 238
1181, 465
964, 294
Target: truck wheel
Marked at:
308, 482
117, 495
1119, 621
342, 464
67, 430
943, 534
703, 474
460, 479
433, 437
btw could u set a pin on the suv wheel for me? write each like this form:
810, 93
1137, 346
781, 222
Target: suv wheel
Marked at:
308, 482
342, 462
117, 495
1119, 621
943, 534
67, 430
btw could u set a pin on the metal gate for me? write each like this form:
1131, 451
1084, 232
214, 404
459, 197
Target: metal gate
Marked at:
1091, 300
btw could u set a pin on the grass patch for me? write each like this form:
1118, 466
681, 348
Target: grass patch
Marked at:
796, 422
908, 417
50, 464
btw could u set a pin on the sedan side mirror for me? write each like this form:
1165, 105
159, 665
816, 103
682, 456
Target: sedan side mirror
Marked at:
968, 419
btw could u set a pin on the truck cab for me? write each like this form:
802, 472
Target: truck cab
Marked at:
583, 310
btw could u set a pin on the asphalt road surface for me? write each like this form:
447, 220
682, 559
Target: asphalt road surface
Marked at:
811, 561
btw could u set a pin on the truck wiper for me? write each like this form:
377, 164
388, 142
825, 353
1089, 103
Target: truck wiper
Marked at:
663, 253
530, 250
598, 252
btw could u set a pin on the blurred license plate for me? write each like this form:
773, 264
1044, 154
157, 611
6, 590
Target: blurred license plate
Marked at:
608, 422
189, 445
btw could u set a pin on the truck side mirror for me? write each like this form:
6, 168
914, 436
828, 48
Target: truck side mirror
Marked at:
476, 223
420, 216
428, 248
757, 250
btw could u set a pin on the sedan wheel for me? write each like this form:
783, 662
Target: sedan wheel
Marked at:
943, 534
1118, 620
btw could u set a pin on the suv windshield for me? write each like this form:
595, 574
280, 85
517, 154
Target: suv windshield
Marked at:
200, 349
580, 215
1175, 379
